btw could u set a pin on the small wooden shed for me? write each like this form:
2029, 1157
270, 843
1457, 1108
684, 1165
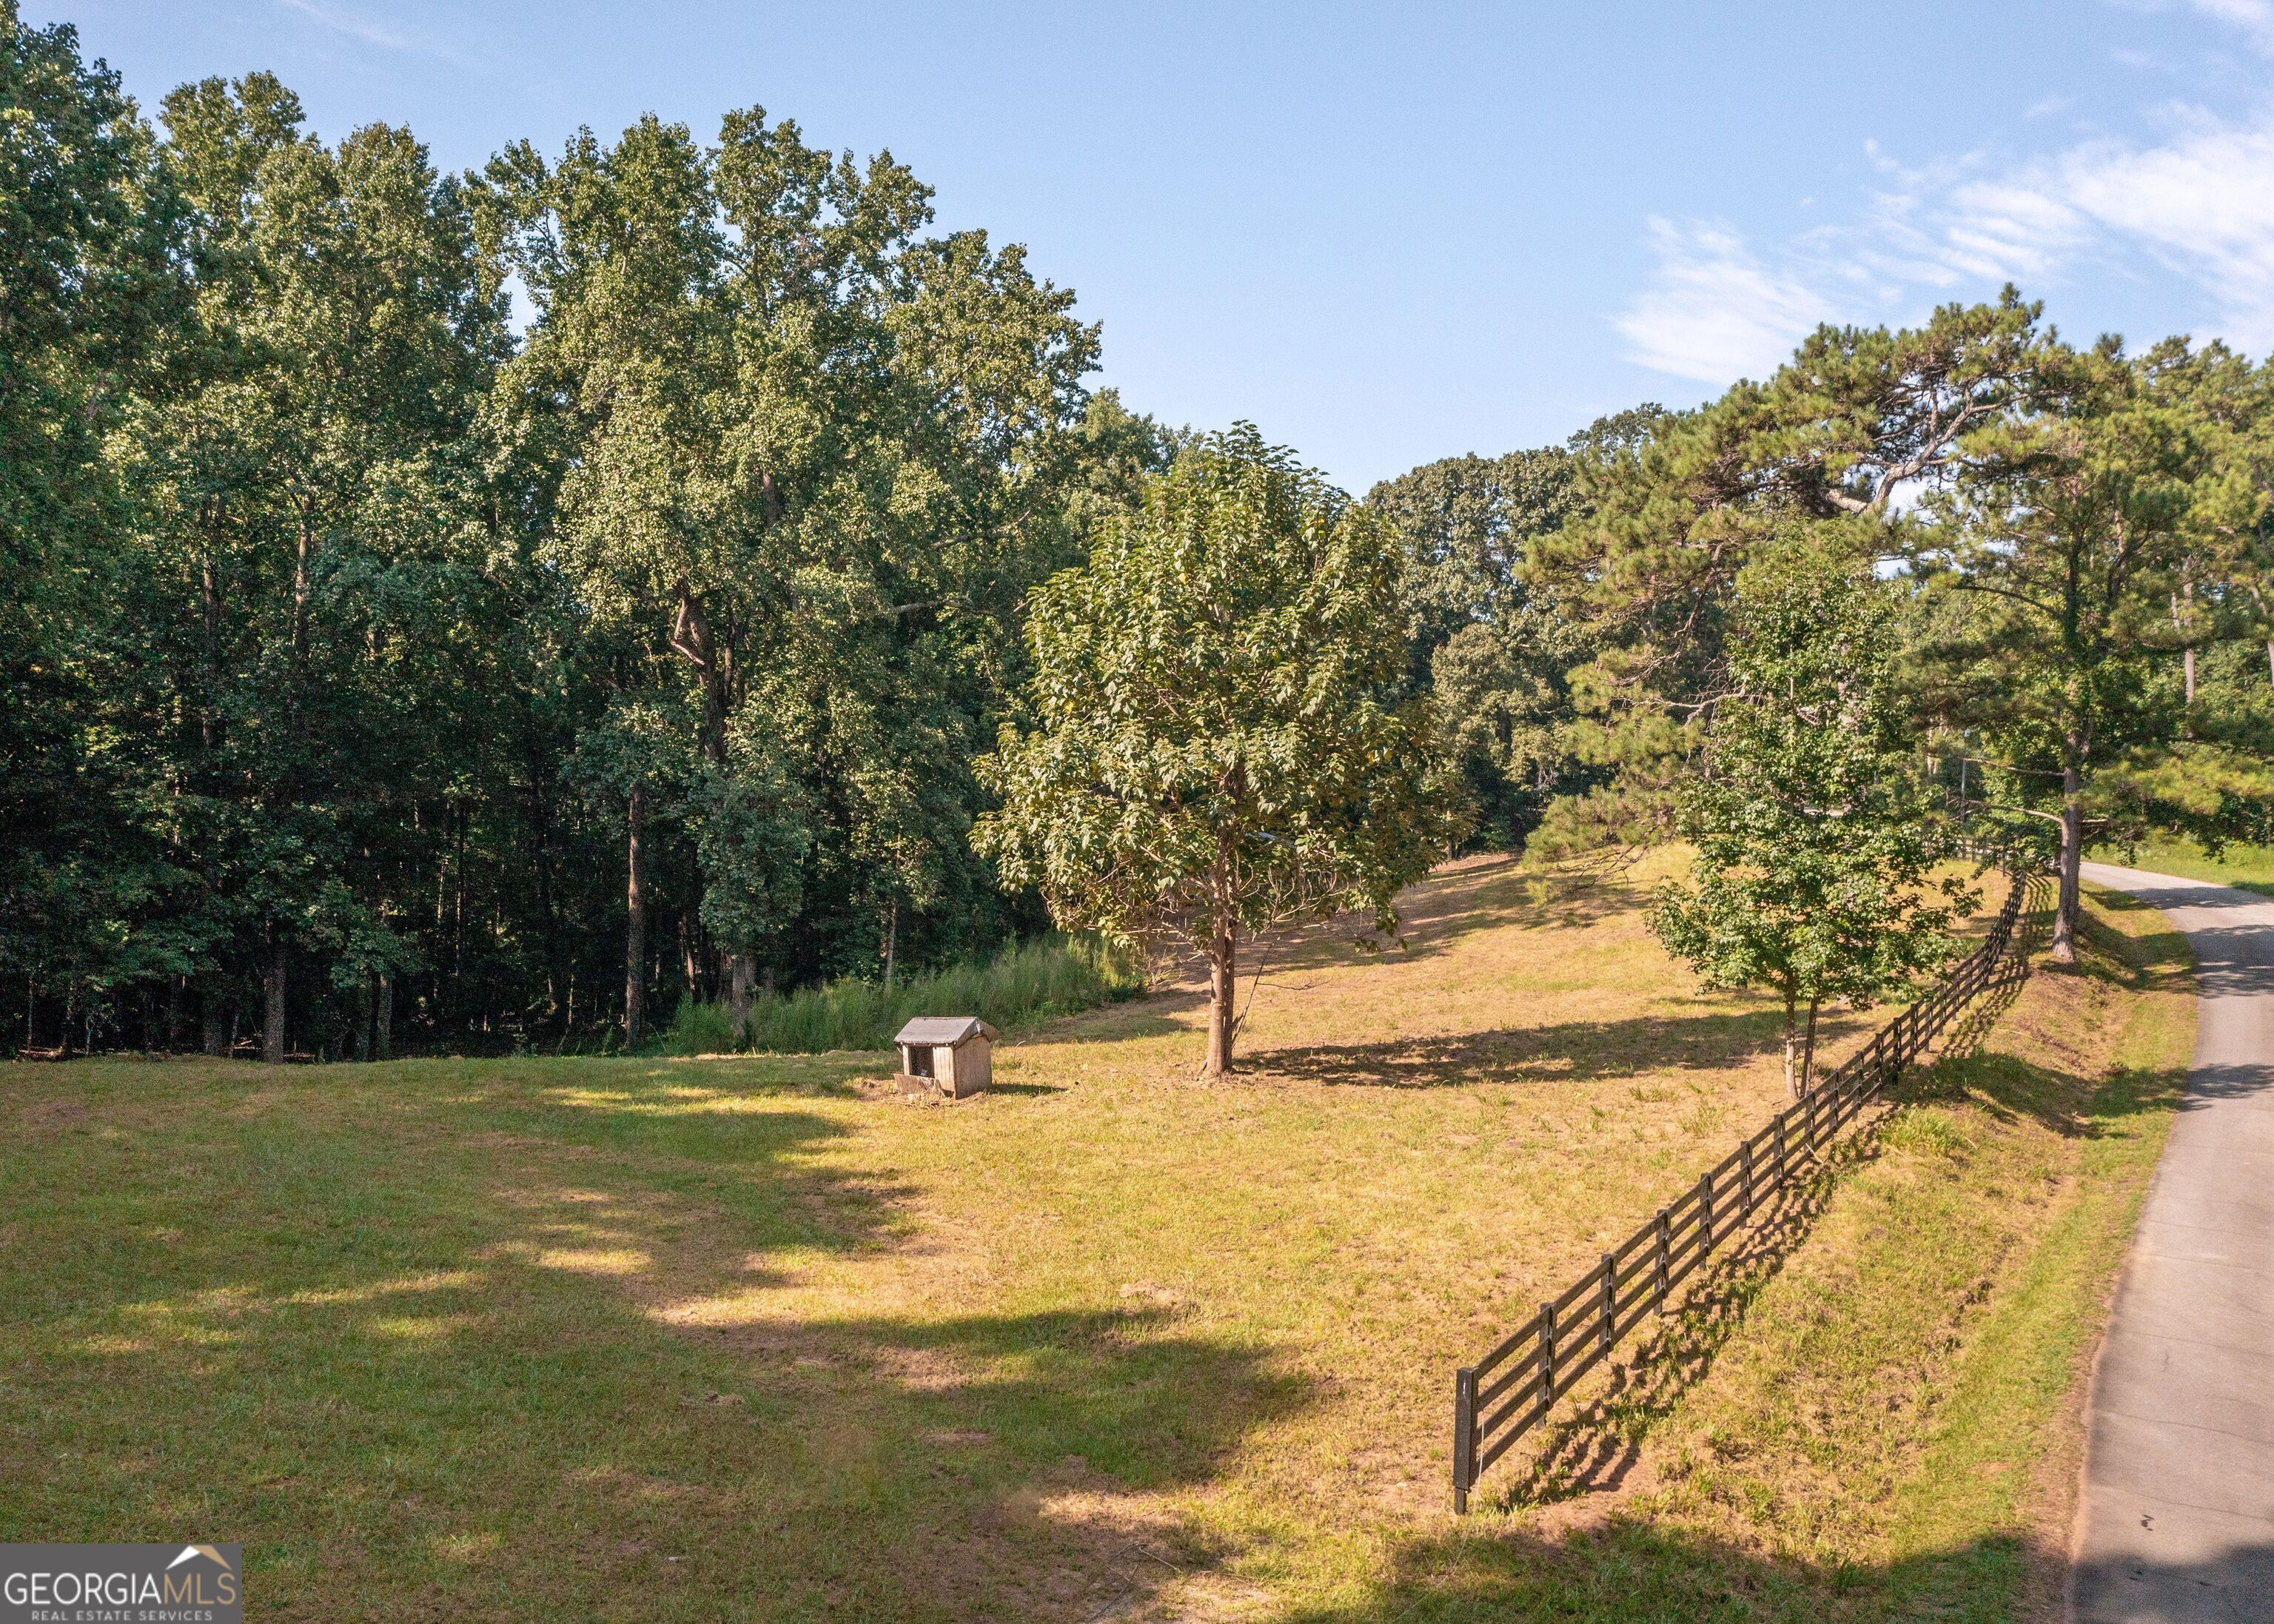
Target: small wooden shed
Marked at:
952, 1055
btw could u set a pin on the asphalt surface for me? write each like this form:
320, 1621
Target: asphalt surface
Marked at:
2176, 1519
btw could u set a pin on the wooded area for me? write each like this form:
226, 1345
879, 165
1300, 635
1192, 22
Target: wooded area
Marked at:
478, 612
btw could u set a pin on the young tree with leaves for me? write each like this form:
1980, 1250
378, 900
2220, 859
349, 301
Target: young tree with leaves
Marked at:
1815, 828
1222, 743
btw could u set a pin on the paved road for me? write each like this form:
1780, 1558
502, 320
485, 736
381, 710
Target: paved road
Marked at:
2176, 1522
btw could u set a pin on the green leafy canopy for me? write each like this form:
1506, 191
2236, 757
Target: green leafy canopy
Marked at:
1223, 740
1815, 830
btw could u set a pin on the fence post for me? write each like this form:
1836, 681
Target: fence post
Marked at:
1883, 1060
1665, 1257
1547, 1356
1464, 1437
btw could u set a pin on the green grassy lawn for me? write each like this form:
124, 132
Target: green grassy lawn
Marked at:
748, 1337
2250, 867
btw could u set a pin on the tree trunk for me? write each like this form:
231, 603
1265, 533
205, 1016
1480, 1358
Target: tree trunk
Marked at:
382, 1021
742, 970
272, 1029
691, 641
891, 940
208, 711
2190, 647
1792, 1045
2072, 853
1223, 976
635, 927
211, 1038
2270, 659
364, 1007
1808, 1050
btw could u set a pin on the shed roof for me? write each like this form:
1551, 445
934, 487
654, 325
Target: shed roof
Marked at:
949, 1029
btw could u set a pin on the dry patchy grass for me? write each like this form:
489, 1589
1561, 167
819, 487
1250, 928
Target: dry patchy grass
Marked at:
744, 1336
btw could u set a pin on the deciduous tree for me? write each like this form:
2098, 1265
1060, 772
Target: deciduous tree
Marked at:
1814, 825
1222, 741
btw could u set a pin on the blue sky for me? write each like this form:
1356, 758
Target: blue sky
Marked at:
1387, 234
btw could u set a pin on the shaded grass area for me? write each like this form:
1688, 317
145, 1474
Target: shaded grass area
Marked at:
733, 1337
1025, 983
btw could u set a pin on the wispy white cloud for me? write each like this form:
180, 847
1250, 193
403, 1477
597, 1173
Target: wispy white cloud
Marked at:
2200, 203
1715, 311
2203, 204
355, 25
2197, 200
2254, 19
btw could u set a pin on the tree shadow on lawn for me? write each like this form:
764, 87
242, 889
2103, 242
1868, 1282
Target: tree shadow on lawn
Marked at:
1151, 1014
1568, 1051
969, 1465
2007, 1087
1478, 894
978, 1467
521, 1372
1635, 1571
1434, 913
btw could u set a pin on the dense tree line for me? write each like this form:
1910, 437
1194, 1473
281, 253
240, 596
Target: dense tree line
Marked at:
2075, 541
377, 674
384, 667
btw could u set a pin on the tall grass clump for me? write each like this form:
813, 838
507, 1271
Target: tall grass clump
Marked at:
1024, 984
699, 1029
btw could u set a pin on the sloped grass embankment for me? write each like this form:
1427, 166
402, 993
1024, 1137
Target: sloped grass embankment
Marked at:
675, 1339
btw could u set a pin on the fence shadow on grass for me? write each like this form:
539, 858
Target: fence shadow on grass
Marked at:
1591, 1450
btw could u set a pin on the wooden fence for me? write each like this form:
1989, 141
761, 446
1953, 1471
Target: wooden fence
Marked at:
1507, 1392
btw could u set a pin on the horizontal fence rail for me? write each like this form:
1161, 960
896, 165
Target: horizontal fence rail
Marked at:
1507, 1392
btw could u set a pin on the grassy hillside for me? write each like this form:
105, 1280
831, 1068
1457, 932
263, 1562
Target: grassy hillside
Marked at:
669, 1340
